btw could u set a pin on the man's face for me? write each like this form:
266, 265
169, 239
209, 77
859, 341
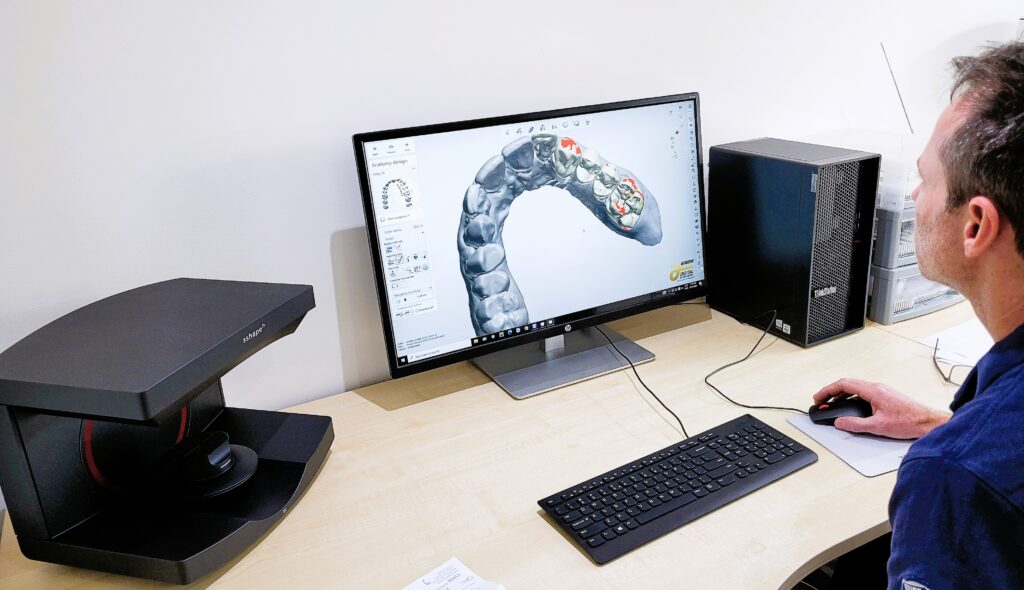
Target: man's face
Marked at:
937, 234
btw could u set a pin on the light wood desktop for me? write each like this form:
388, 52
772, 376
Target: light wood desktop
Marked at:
445, 464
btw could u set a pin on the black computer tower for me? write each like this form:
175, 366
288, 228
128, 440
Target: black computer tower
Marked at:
789, 232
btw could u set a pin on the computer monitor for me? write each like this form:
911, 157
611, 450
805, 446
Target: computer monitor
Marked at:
490, 235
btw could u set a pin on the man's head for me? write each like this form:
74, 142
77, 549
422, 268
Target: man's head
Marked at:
971, 199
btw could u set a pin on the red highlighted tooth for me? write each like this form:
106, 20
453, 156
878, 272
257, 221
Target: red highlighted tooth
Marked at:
570, 144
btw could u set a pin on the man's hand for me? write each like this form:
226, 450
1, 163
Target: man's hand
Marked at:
893, 414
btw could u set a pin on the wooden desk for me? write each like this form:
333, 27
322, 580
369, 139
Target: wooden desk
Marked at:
459, 474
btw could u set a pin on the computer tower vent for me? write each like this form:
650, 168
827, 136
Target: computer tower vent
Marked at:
835, 221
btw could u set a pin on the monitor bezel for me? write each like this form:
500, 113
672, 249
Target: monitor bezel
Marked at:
592, 316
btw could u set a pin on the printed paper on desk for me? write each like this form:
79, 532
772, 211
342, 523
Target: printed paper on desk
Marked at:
452, 575
870, 455
963, 343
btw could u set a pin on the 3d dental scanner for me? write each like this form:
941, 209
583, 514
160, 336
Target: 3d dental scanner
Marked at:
117, 452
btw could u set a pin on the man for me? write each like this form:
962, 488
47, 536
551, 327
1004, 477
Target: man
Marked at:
957, 511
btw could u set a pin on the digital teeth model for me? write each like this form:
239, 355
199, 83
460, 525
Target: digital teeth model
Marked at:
612, 193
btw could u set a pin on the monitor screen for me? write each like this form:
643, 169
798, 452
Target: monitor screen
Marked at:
490, 233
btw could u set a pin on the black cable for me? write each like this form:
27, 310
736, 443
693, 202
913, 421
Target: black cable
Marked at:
667, 409
726, 366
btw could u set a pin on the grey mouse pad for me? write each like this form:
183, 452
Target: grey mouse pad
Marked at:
870, 455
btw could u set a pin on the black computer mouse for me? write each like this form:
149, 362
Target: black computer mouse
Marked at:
827, 412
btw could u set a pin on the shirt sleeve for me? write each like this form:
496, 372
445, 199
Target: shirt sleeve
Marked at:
951, 530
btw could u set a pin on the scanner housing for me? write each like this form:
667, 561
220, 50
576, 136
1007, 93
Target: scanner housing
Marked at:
100, 408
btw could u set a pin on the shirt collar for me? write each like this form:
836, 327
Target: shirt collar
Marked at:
1003, 355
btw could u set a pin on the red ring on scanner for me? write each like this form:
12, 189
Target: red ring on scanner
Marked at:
184, 423
90, 457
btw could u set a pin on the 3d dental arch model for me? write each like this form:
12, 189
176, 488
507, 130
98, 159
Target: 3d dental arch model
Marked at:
613, 194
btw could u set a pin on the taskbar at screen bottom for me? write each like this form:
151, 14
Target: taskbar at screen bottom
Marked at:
549, 326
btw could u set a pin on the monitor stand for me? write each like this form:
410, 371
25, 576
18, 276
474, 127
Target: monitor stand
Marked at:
559, 361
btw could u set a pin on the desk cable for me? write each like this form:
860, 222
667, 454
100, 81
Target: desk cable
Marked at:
654, 395
707, 378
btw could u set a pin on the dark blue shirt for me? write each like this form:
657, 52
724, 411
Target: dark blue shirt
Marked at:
957, 511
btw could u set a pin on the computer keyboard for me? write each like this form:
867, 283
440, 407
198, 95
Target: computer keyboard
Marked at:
626, 507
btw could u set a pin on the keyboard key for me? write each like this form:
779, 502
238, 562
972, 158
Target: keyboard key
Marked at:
620, 529
665, 508
609, 534
774, 458
593, 529
713, 465
595, 542
727, 468
581, 523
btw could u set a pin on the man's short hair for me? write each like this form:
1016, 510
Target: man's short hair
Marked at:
985, 156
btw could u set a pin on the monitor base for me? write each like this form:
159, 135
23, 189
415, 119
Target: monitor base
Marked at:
528, 370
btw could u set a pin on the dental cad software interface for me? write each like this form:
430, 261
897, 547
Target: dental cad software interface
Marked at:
497, 231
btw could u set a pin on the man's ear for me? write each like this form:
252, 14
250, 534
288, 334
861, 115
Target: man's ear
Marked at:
982, 226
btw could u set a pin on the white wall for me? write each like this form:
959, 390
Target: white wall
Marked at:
141, 141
